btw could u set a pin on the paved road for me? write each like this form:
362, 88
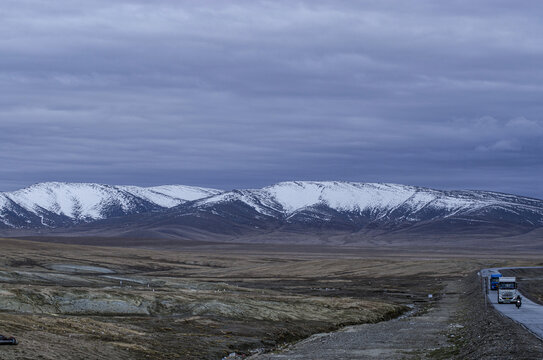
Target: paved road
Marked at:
530, 314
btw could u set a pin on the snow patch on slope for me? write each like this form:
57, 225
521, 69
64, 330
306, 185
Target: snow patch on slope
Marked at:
170, 195
294, 196
380, 200
88, 201
3, 201
83, 200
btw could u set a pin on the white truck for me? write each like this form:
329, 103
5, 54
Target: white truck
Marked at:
507, 290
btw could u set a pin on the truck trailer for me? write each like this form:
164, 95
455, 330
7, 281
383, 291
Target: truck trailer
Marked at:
494, 280
507, 290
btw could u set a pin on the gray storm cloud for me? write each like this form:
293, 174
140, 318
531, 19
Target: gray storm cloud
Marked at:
247, 93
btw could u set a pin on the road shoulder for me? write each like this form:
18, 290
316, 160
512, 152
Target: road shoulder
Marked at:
460, 326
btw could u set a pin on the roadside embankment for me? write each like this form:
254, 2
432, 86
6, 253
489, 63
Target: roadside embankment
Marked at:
460, 325
485, 333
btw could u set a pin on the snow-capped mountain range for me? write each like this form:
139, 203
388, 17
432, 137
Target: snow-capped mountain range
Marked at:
56, 204
355, 206
377, 201
286, 206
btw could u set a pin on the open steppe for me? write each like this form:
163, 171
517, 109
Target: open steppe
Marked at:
204, 301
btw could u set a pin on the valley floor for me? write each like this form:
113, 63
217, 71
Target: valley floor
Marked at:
82, 302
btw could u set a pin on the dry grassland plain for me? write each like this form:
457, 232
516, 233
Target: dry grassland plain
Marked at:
83, 302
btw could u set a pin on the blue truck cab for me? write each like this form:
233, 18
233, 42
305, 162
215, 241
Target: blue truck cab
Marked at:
494, 281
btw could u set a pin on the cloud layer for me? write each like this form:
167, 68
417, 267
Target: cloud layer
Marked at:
247, 93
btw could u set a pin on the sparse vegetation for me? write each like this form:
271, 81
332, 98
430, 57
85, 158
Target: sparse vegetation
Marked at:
196, 304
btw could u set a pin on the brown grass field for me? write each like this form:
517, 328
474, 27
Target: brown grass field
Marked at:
202, 302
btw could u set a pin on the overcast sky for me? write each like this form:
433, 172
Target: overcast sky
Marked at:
237, 94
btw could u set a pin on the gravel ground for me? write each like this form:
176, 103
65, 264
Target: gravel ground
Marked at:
487, 334
406, 338
460, 326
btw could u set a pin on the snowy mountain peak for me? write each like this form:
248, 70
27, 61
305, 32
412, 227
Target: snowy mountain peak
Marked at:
59, 203
374, 201
293, 196
170, 195
296, 204
339, 195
